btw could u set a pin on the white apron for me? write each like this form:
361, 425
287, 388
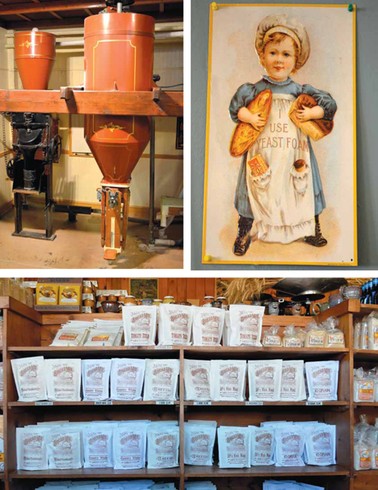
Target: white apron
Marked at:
281, 195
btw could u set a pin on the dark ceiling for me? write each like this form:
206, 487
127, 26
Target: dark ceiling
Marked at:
24, 15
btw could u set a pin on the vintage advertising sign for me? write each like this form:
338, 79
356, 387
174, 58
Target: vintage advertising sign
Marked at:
280, 166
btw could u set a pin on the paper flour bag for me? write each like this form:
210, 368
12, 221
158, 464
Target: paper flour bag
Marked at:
161, 379
126, 379
175, 324
292, 381
228, 380
262, 446
246, 325
129, 446
207, 325
64, 449
199, 443
163, 445
96, 373
29, 377
197, 379
97, 443
139, 323
264, 379
63, 379
234, 447
320, 445
322, 380
289, 446
31, 444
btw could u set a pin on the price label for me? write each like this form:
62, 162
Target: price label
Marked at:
165, 402
254, 403
44, 404
103, 402
314, 403
204, 403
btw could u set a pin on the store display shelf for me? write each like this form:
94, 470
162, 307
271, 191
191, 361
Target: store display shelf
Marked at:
366, 404
263, 471
85, 351
96, 473
364, 354
92, 403
264, 352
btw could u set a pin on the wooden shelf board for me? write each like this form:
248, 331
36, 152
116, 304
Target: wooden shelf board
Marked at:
93, 102
264, 471
267, 404
91, 403
245, 352
365, 354
121, 351
366, 404
96, 473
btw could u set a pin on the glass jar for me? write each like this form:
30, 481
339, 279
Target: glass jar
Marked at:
168, 299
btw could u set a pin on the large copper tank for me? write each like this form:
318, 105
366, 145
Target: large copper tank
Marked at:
118, 53
34, 53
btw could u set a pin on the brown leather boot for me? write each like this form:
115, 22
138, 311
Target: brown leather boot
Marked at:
243, 239
318, 239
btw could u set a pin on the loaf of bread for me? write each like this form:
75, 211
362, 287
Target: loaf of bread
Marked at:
245, 134
315, 129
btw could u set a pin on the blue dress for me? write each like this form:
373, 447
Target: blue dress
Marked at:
243, 96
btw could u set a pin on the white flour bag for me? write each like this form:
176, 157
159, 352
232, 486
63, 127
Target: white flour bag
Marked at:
64, 448
139, 323
322, 380
197, 379
234, 447
126, 379
161, 379
320, 445
246, 325
129, 446
163, 445
262, 446
199, 443
175, 324
228, 380
96, 373
289, 446
63, 379
292, 381
226, 329
29, 376
207, 325
97, 443
264, 380
31, 445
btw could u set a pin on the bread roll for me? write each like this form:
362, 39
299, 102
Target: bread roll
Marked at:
315, 129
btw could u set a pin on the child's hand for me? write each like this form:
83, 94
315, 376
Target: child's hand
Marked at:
254, 119
309, 113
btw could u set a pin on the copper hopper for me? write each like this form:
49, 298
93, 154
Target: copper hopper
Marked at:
34, 53
118, 52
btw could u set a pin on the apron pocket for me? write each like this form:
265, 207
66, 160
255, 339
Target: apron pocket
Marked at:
261, 181
300, 179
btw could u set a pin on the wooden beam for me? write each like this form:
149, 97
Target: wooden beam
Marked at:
57, 16
92, 102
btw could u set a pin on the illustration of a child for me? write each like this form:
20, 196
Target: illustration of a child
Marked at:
279, 189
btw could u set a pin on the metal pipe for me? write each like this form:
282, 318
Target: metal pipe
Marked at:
151, 223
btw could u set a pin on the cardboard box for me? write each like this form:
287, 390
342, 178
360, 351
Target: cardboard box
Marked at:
70, 295
47, 294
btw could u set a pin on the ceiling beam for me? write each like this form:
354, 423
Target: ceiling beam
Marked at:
60, 6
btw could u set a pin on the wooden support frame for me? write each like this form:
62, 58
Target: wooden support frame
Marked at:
71, 101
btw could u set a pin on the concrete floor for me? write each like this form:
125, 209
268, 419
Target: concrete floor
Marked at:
77, 245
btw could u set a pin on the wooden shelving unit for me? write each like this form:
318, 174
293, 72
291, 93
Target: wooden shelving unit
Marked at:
28, 333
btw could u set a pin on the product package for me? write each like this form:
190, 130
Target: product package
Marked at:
199, 443
292, 337
262, 446
129, 445
207, 325
95, 376
97, 444
334, 337
197, 379
289, 446
163, 441
320, 445
271, 337
126, 379
29, 377
139, 323
31, 447
175, 324
161, 379
64, 448
63, 379
234, 447
322, 380
246, 325
293, 386
264, 380
228, 380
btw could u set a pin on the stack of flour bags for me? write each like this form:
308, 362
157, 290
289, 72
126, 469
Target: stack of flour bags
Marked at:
62, 380
268, 380
277, 443
288, 485
109, 485
125, 445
